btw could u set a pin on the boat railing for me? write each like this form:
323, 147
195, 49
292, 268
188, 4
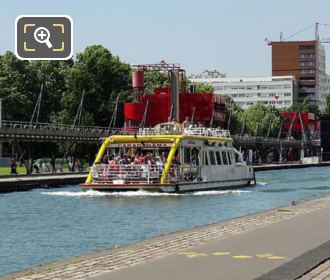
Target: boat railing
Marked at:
126, 173
143, 174
147, 131
197, 131
204, 131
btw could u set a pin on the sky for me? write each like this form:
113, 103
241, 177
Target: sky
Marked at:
228, 36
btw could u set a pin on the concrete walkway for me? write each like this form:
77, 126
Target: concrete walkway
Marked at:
242, 248
243, 256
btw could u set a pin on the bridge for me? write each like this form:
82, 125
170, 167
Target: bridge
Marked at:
49, 132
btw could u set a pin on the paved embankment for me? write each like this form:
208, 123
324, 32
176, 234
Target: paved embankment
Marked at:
12, 183
278, 166
242, 248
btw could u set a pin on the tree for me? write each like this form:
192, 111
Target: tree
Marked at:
327, 106
154, 79
260, 118
102, 76
204, 88
305, 106
15, 88
53, 76
234, 116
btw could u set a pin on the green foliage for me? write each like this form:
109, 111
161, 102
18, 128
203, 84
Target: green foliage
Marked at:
15, 87
327, 106
154, 79
306, 106
204, 88
53, 76
102, 76
234, 115
255, 120
260, 118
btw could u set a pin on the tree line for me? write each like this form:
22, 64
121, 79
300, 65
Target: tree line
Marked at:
102, 76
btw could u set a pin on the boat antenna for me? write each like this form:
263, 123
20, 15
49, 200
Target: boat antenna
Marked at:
144, 118
228, 125
243, 126
77, 118
269, 127
288, 136
193, 115
270, 123
37, 107
280, 132
114, 114
302, 127
171, 113
212, 117
257, 129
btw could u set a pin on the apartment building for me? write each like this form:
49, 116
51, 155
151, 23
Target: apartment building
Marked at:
279, 91
305, 60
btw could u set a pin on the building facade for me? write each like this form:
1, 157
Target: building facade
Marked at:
209, 74
305, 60
277, 91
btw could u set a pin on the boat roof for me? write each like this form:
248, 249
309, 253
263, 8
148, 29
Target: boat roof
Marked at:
168, 132
164, 138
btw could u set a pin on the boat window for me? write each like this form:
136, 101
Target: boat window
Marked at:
224, 157
229, 157
195, 157
212, 158
218, 156
206, 160
187, 155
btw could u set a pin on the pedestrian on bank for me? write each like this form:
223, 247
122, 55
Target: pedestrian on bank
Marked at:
13, 167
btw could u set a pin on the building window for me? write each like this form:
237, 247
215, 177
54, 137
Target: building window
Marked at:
307, 71
306, 63
287, 94
307, 55
307, 79
306, 47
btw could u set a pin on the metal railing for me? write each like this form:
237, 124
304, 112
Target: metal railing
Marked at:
198, 131
126, 174
204, 131
142, 174
53, 126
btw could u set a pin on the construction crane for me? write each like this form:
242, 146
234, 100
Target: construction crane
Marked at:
316, 34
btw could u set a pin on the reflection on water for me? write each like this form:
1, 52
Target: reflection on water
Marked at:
46, 225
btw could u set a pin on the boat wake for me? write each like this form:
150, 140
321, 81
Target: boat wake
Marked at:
91, 193
262, 183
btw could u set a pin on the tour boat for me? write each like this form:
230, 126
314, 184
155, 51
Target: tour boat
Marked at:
169, 158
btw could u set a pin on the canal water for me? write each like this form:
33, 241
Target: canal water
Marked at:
41, 226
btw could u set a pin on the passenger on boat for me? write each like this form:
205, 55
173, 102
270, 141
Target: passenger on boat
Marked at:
186, 123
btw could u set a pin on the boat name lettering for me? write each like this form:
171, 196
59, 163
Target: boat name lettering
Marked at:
142, 145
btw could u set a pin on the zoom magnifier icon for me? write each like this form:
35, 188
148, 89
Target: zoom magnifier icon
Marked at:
42, 35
